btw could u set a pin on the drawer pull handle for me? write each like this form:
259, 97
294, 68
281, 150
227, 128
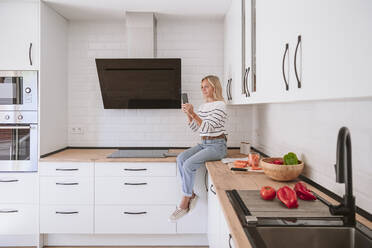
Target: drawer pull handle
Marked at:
144, 169
67, 183
135, 212
135, 183
211, 188
59, 169
71, 212
9, 181
8, 211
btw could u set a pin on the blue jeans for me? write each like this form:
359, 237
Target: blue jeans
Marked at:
191, 160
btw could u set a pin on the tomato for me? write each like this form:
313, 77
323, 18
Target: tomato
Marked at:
267, 193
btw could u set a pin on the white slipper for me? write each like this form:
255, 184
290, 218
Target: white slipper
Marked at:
177, 214
193, 202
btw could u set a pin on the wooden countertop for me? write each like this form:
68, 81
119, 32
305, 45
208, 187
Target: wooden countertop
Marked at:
224, 179
100, 155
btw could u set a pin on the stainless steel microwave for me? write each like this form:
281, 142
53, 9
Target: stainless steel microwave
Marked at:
18, 90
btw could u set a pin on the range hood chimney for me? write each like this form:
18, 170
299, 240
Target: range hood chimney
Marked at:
141, 34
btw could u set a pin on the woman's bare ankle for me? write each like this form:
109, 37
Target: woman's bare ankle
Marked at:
185, 202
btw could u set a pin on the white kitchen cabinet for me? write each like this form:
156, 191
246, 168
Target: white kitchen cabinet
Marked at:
71, 219
218, 230
66, 197
19, 40
336, 49
137, 169
195, 221
19, 188
19, 219
233, 53
272, 52
19, 203
66, 190
66, 169
238, 79
332, 56
214, 219
136, 190
136, 219
135, 197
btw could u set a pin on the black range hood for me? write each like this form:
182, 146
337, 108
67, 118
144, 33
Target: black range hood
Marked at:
140, 83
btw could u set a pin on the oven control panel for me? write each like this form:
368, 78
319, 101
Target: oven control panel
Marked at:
18, 117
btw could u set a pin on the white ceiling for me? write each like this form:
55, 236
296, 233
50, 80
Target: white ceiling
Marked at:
115, 9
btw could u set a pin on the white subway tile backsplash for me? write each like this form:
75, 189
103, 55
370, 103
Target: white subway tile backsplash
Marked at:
199, 43
310, 129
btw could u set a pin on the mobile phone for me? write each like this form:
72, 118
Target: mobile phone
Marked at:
185, 99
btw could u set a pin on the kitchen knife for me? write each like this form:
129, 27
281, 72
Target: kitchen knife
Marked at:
238, 169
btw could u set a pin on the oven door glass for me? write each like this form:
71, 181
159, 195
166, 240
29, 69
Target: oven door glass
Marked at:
11, 90
15, 143
18, 148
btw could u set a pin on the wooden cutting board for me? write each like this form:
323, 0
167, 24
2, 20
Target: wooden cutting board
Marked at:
275, 208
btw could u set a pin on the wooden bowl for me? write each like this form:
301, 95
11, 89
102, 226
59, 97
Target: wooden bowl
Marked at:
281, 172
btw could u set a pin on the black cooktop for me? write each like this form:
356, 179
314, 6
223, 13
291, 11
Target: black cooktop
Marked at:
156, 153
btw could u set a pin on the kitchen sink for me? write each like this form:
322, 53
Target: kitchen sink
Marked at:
310, 237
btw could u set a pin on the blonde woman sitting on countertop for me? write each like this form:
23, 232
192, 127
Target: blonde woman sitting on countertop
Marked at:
210, 120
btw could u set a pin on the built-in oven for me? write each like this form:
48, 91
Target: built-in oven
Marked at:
18, 141
18, 90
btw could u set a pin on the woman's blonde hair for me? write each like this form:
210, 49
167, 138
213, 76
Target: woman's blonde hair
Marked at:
214, 81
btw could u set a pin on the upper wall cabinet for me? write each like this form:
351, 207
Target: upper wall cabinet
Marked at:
233, 52
311, 50
238, 79
19, 39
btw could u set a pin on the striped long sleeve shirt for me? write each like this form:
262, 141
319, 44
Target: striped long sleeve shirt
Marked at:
214, 119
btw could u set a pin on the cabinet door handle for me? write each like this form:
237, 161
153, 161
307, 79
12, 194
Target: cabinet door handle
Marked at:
283, 69
67, 183
144, 169
230, 237
29, 53
9, 181
227, 89
59, 169
8, 211
247, 93
211, 188
230, 89
295, 62
67, 212
135, 183
135, 212
205, 180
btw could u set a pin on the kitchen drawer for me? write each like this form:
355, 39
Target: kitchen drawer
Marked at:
136, 190
66, 219
66, 190
66, 169
19, 188
18, 219
115, 169
134, 219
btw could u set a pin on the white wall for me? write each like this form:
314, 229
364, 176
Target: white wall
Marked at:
310, 130
199, 43
53, 80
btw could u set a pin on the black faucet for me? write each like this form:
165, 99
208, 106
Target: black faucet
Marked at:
343, 169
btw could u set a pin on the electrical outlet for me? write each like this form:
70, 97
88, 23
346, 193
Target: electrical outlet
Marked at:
77, 130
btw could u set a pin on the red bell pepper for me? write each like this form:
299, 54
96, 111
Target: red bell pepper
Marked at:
303, 192
287, 196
